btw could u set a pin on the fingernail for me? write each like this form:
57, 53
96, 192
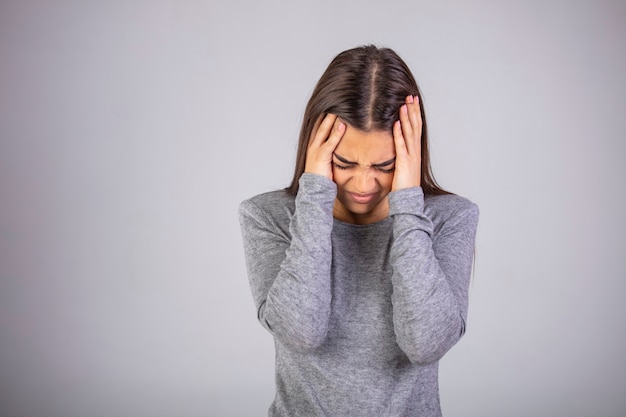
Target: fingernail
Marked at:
410, 99
405, 108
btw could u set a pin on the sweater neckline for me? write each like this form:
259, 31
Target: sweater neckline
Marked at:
381, 223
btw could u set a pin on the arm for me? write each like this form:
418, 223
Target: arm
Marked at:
290, 274
431, 275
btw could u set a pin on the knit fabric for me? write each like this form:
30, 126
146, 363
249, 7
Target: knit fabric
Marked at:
360, 314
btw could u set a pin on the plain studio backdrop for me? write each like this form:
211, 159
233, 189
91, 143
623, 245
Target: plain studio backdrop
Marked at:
130, 131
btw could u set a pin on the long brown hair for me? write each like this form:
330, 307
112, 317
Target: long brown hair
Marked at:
365, 87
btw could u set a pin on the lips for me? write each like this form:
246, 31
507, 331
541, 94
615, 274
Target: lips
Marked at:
362, 198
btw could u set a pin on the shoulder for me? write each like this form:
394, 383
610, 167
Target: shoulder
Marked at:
451, 210
274, 207
273, 201
449, 203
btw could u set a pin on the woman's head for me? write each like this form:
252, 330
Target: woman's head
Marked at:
365, 87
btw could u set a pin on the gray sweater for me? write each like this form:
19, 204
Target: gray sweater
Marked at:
360, 314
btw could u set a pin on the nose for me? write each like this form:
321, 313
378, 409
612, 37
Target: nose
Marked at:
365, 181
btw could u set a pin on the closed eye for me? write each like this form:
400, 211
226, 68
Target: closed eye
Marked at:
386, 167
338, 166
386, 170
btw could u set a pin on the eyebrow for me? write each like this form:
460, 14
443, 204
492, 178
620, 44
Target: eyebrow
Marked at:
382, 164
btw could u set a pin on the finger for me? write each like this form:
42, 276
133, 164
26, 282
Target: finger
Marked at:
415, 119
407, 129
415, 116
398, 140
321, 133
338, 129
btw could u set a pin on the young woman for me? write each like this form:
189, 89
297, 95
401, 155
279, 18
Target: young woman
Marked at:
360, 268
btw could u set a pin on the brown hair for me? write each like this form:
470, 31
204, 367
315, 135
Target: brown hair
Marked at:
365, 87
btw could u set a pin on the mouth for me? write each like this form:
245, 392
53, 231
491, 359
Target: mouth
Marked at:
362, 198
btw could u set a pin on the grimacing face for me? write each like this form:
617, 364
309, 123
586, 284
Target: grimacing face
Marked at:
363, 167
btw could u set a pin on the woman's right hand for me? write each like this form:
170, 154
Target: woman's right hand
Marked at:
325, 137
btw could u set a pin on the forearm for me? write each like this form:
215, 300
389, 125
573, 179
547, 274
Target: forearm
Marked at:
292, 280
429, 289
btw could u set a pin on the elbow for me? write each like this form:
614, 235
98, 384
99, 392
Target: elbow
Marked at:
303, 333
299, 338
428, 348
422, 355
307, 341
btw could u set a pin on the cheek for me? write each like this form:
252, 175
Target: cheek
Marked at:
340, 176
385, 180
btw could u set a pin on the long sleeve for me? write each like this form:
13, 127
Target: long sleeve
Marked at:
289, 271
431, 274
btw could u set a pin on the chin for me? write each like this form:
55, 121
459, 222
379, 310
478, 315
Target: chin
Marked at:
361, 209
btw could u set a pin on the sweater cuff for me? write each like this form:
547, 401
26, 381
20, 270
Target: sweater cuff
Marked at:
317, 187
406, 201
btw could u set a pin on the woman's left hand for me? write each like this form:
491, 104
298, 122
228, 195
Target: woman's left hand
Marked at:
407, 136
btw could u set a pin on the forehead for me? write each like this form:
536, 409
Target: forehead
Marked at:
366, 147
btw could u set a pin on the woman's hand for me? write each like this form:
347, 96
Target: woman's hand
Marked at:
324, 139
407, 136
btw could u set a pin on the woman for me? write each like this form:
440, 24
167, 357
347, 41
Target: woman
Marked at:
360, 268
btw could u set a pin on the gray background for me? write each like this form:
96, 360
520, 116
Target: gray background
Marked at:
130, 131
